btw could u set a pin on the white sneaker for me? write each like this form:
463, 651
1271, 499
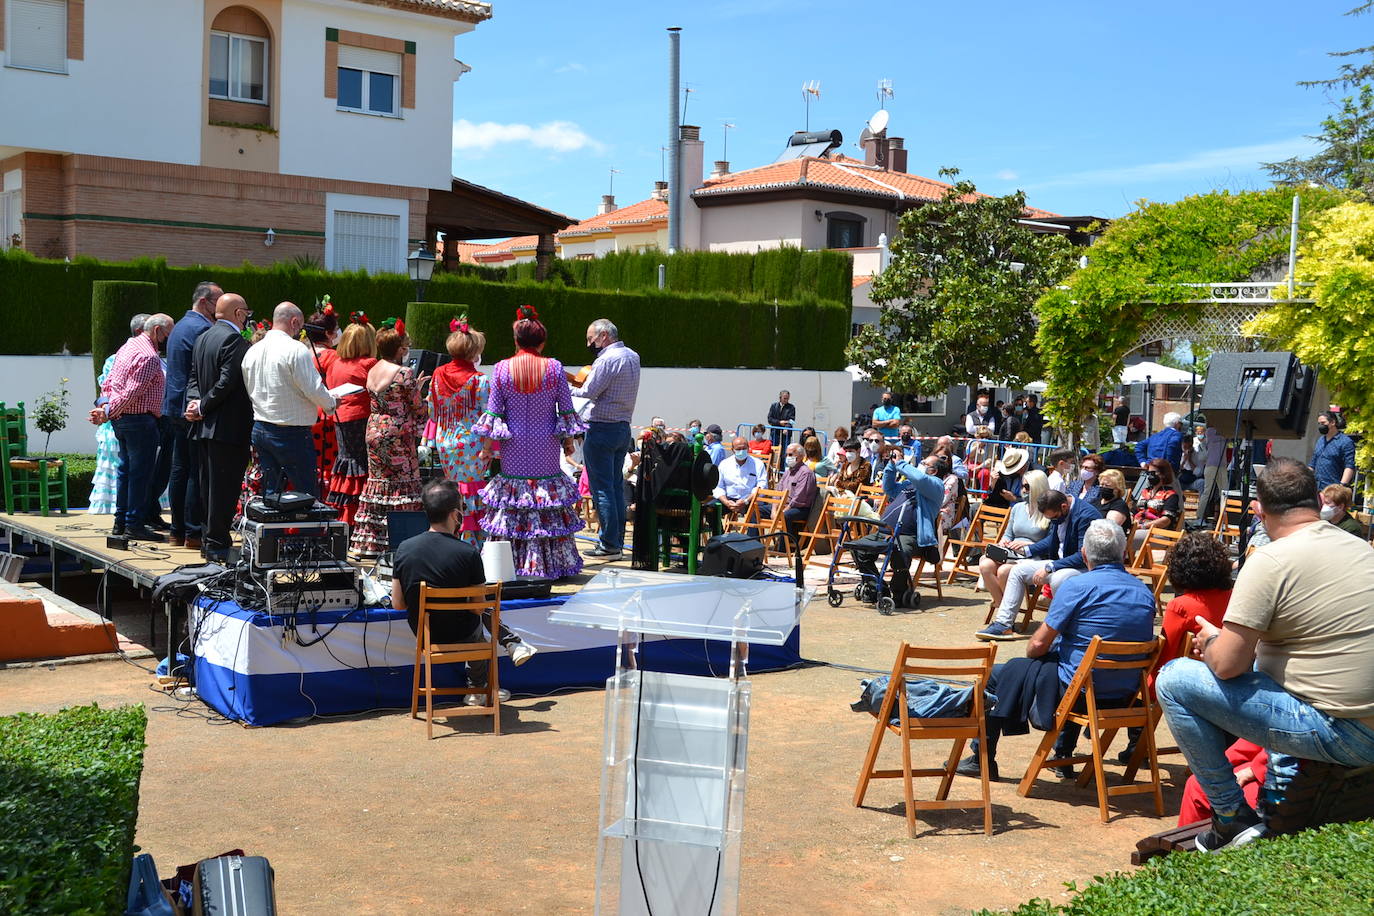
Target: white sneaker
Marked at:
520, 653
478, 699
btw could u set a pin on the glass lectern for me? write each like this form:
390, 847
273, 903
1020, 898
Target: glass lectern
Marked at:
672, 786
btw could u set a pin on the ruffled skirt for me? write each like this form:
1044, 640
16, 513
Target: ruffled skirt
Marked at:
539, 519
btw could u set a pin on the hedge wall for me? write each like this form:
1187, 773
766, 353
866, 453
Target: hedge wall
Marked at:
669, 329
113, 304
783, 273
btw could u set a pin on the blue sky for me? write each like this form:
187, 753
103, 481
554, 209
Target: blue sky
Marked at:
1088, 107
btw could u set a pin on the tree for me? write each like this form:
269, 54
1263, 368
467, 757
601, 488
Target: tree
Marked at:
958, 299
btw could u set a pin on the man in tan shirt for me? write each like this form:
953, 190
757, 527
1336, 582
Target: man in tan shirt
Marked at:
1292, 666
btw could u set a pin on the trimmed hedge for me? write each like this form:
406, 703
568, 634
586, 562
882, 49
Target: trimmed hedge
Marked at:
668, 329
113, 304
69, 796
1327, 870
785, 273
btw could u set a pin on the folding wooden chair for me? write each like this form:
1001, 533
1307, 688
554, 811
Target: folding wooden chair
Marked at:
1190, 501
873, 494
818, 529
1155, 570
478, 599
937, 569
987, 527
1228, 519
1102, 723
753, 520
922, 661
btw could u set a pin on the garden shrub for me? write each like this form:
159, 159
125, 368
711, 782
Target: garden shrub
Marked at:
113, 304
1329, 870
69, 797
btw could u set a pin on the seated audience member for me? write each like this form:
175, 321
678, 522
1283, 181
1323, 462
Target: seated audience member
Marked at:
800, 483
835, 451
1055, 558
438, 557
1085, 485
1105, 601
1005, 484
1248, 761
1167, 443
806, 433
911, 446
1061, 473
1189, 465
1111, 499
853, 473
1120, 457
945, 446
915, 493
1289, 667
714, 447
1159, 505
815, 458
1336, 500
1025, 527
760, 445
740, 475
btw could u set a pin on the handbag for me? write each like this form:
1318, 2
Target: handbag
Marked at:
147, 896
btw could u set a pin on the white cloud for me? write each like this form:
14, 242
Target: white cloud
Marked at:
571, 67
558, 136
1225, 159
1007, 175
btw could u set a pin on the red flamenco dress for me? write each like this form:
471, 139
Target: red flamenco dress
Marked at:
456, 397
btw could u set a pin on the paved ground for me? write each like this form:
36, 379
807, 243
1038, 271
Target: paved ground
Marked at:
361, 815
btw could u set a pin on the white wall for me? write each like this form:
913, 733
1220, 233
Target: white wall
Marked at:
414, 150
753, 227
136, 94
24, 378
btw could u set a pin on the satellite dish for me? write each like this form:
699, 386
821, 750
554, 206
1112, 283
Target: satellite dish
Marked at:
864, 136
878, 123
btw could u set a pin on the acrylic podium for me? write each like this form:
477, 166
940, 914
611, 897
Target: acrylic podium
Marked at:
672, 786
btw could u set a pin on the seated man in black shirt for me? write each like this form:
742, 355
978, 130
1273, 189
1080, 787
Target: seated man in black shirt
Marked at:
438, 558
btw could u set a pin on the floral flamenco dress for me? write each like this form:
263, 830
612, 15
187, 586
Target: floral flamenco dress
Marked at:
532, 503
457, 396
393, 463
103, 483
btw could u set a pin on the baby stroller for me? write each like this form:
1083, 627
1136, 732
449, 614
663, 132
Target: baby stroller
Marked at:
872, 554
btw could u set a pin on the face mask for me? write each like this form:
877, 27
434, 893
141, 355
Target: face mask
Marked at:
791, 461
982, 406
906, 438
1086, 474
596, 350
1323, 428
1329, 512
694, 429
1152, 479
1107, 493
741, 454
851, 457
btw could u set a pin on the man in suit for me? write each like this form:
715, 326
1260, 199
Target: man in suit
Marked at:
219, 407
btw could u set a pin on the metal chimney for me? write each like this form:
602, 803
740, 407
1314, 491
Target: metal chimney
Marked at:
720, 168
675, 157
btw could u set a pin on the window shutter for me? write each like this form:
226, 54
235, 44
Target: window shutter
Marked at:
36, 35
356, 58
366, 240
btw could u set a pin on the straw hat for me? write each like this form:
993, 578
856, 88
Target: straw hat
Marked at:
1013, 461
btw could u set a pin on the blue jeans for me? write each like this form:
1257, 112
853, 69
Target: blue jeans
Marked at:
287, 455
604, 453
137, 436
162, 469
1202, 710
183, 485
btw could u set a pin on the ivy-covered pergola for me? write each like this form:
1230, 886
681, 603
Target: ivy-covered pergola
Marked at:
1201, 269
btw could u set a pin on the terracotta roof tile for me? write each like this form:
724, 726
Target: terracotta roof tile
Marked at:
859, 281
463, 10
504, 250
644, 211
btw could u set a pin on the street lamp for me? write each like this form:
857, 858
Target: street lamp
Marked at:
421, 264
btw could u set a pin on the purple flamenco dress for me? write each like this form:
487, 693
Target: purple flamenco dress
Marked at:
531, 503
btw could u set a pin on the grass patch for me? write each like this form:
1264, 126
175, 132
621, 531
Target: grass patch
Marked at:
1326, 870
69, 804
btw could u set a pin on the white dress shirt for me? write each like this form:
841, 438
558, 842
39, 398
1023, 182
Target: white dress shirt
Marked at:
739, 479
284, 382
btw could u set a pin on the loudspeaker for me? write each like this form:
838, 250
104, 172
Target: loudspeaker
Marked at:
733, 555
424, 362
1271, 393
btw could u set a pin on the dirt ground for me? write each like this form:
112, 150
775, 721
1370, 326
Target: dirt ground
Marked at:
362, 815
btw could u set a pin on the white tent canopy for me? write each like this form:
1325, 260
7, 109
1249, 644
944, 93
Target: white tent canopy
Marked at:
1157, 373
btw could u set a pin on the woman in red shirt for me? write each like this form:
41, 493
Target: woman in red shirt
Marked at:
322, 333
356, 355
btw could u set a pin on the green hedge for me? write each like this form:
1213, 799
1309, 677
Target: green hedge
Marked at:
785, 273
69, 799
113, 304
669, 329
1325, 871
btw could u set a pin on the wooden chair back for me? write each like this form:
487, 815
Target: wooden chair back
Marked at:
972, 666
1155, 569
988, 525
873, 494
828, 529
1102, 723
483, 600
1228, 519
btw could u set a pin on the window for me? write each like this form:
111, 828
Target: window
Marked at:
369, 81
367, 241
36, 35
238, 67
11, 208
844, 230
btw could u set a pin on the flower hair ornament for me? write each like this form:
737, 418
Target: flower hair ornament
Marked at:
324, 305
526, 313
459, 324
395, 324
358, 317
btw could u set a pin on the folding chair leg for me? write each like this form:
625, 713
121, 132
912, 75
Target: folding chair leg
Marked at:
870, 759
907, 787
987, 784
494, 694
429, 694
950, 766
1037, 763
415, 685
1106, 741
1098, 769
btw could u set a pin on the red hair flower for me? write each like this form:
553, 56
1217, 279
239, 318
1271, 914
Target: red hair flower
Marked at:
458, 324
526, 313
400, 327
359, 317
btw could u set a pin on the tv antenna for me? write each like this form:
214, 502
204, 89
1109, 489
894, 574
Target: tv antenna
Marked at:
809, 89
662, 163
687, 91
611, 190
725, 128
884, 92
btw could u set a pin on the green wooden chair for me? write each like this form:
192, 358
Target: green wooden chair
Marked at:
30, 483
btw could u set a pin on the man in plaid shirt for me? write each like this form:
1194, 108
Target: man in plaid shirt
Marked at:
132, 402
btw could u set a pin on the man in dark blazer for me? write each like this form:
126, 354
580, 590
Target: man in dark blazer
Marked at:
222, 413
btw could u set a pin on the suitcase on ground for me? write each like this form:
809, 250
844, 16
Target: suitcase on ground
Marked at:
234, 886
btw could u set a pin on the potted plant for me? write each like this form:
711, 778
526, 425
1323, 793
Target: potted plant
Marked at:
49, 417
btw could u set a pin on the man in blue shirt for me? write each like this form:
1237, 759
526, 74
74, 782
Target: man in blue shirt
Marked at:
915, 493
1106, 601
1333, 460
887, 418
183, 480
1055, 558
714, 448
1166, 444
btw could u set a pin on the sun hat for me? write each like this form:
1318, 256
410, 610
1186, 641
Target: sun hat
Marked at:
1013, 461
